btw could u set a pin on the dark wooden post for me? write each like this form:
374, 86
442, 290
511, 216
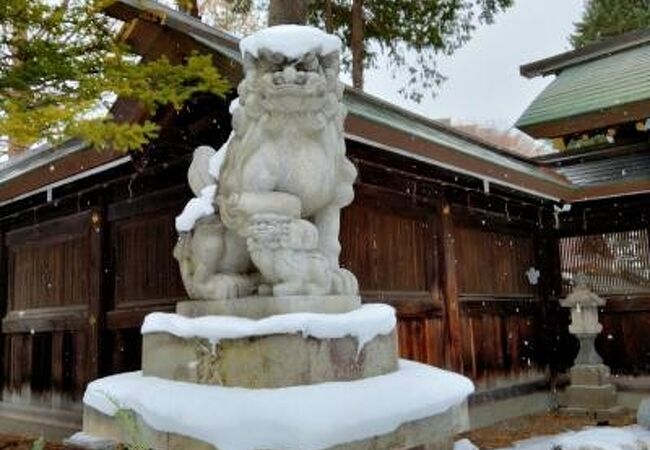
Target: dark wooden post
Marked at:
449, 285
4, 281
357, 44
548, 259
95, 307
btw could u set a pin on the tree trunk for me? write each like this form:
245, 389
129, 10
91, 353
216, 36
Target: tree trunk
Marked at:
287, 11
357, 44
329, 26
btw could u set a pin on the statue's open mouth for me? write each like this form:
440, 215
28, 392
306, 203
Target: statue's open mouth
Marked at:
293, 85
291, 76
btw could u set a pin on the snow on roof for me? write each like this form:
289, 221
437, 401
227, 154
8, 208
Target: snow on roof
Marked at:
292, 41
294, 418
364, 323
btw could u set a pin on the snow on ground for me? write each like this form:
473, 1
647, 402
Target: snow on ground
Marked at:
632, 437
292, 41
465, 444
363, 324
307, 417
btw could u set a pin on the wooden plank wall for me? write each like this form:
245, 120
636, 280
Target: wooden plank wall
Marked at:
391, 247
500, 308
51, 327
145, 276
80, 284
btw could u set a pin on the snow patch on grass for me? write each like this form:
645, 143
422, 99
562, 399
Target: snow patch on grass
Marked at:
632, 437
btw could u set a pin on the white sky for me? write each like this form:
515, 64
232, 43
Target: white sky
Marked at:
483, 82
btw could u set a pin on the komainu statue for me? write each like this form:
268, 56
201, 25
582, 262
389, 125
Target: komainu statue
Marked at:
266, 215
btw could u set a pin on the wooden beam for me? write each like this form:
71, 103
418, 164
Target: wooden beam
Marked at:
56, 230
594, 120
384, 136
45, 320
449, 284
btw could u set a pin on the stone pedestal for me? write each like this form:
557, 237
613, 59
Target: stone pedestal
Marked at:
272, 361
591, 393
431, 433
331, 364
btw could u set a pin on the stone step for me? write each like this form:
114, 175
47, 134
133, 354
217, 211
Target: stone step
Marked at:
596, 397
417, 406
267, 361
594, 414
278, 351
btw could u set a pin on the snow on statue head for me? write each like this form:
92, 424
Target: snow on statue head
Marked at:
266, 216
291, 69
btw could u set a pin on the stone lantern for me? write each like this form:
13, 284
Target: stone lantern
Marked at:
591, 392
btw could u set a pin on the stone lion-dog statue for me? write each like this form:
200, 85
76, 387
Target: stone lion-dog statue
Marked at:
272, 195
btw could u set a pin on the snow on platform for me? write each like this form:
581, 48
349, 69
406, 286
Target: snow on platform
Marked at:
364, 323
294, 418
292, 41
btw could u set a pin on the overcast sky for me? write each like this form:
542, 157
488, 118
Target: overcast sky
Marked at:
483, 82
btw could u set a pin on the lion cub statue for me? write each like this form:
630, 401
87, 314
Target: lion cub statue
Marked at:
266, 217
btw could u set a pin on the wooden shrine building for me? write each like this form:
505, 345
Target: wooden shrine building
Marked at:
445, 227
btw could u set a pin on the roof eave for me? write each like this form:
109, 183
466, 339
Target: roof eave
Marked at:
587, 121
38, 157
557, 63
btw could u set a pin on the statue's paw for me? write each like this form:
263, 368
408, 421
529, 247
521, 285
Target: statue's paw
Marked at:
265, 289
288, 289
224, 287
344, 282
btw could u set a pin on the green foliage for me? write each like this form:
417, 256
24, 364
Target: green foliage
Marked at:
607, 18
38, 444
59, 59
400, 28
128, 424
411, 34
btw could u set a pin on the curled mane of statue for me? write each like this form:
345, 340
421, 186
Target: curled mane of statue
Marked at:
266, 215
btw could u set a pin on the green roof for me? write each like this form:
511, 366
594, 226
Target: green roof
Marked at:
595, 85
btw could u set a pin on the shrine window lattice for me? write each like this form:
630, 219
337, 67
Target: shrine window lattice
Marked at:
614, 263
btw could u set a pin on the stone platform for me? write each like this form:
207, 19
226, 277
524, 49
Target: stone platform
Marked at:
299, 381
431, 433
417, 406
591, 393
268, 361
258, 307
278, 351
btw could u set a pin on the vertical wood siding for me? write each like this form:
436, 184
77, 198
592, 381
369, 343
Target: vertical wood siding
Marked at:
50, 331
491, 262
